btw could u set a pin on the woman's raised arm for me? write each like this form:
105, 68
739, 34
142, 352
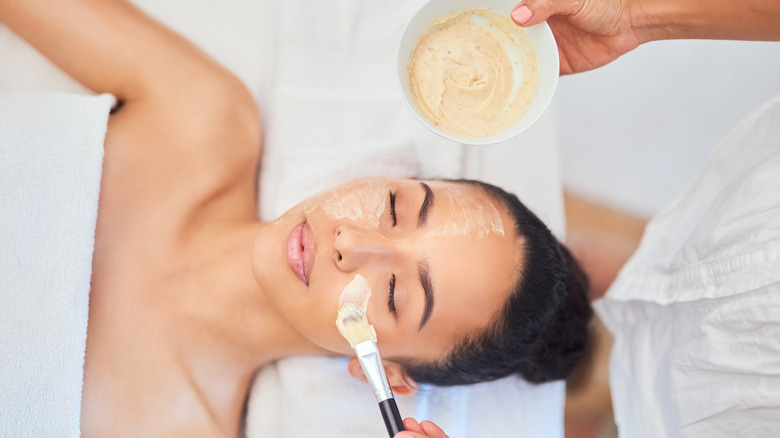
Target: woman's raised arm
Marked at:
181, 109
109, 45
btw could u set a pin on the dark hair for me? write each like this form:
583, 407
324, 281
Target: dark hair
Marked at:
541, 331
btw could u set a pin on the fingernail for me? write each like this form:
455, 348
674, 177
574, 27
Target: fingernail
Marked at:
522, 14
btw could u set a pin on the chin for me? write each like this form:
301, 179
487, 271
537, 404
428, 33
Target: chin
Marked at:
268, 261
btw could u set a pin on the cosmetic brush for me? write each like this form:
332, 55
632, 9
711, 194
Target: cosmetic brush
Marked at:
354, 327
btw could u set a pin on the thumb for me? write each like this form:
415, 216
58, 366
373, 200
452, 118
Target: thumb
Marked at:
531, 12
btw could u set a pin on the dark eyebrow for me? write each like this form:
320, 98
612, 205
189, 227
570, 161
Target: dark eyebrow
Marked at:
427, 203
425, 279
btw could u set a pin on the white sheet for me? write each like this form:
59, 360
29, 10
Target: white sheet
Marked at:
323, 76
51, 153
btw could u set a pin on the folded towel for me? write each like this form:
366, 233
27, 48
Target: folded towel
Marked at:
51, 153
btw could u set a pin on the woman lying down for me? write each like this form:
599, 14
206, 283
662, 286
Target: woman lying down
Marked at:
191, 294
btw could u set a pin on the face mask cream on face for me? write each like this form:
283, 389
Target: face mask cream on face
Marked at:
358, 201
356, 292
361, 201
467, 214
352, 321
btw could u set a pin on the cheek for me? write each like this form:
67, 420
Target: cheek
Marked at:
269, 263
289, 218
394, 344
310, 311
318, 310
360, 204
316, 320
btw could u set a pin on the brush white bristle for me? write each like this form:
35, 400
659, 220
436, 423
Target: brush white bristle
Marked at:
353, 325
352, 321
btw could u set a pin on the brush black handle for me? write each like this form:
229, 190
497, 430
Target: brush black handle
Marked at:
392, 417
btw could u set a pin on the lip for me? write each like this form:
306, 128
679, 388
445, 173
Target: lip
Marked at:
300, 251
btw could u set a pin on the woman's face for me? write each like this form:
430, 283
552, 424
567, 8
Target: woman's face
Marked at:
440, 257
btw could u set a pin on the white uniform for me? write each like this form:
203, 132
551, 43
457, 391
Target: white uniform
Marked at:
696, 311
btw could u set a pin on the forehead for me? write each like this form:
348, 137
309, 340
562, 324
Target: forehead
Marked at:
465, 209
474, 256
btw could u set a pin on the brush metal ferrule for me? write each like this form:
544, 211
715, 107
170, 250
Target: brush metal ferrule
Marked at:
371, 362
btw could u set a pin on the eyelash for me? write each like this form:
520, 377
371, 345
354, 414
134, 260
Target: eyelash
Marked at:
391, 282
392, 208
391, 295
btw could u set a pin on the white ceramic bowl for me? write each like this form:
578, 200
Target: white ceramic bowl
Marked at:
540, 35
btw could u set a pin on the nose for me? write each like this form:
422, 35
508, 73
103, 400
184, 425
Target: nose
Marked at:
354, 247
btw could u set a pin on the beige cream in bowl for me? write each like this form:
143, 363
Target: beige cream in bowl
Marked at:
471, 74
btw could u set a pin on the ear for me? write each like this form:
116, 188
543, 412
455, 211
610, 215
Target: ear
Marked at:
356, 371
400, 383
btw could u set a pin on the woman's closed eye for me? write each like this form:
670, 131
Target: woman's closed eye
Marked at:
392, 208
391, 282
391, 294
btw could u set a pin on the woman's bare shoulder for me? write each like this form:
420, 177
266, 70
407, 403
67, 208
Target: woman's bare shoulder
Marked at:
187, 132
185, 149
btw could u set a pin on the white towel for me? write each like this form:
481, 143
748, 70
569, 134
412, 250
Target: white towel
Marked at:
51, 153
